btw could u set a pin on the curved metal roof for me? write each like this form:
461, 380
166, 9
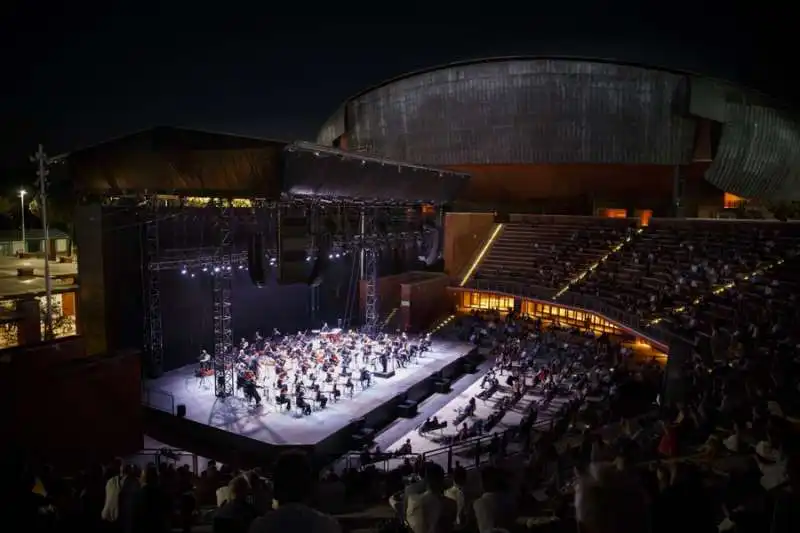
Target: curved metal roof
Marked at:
530, 57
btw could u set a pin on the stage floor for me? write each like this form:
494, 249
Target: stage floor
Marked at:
278, 427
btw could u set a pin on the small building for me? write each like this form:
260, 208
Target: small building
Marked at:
11, 242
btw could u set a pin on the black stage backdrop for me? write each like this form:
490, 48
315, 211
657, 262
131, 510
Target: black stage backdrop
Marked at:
187, 305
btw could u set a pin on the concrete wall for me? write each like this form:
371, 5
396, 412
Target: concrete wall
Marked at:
464, 234
424, 301
66, 408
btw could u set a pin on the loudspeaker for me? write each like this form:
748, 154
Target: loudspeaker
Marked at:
442, 386
320, 265
293, 244
255, 260
434, 247
180, 410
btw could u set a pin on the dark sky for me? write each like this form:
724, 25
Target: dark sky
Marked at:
83, 73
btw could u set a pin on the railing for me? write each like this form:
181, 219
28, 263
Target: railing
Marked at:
166, 456
657, 333
158, 399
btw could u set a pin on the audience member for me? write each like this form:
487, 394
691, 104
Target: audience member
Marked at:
293, 482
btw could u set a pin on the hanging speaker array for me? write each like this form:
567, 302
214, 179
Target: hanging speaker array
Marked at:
293, 243
256, 260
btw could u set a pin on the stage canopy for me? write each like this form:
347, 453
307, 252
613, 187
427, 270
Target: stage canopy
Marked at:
320, 171
167, 160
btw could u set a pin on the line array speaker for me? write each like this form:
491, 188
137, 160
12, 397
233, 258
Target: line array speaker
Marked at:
293, 243
255, 260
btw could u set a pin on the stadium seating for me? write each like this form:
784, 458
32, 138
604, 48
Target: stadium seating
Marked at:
549, 251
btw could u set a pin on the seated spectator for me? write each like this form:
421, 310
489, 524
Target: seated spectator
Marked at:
120, 490
608, 503
431, 511
458, 493
293, 484
236, 514
152, 506
494, 508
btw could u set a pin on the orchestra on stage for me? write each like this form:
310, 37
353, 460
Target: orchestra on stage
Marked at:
307, 370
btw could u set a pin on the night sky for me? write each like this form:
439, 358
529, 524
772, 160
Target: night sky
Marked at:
84, 73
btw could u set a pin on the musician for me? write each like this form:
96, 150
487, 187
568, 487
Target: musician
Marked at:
302, 404
336, 393
320, 399
283, 399
349, 386
325, 327
384, 358
365, 378
250, 389
205, 360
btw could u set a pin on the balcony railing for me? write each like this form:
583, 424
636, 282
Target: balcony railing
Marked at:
632, 321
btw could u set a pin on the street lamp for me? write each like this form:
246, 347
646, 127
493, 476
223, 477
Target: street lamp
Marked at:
22, 194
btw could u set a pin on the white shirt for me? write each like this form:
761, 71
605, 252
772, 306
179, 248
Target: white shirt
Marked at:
430, 513
456, 494
492, 510
110, 511
295, 517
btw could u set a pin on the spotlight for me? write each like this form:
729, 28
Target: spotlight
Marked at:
330, 256
241, 267
192, 274
205, 269
228, 267
183, 271
338, 256
216, 269
308, 259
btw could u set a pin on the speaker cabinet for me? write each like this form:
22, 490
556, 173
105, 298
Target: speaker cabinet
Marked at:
293, 244
256, 260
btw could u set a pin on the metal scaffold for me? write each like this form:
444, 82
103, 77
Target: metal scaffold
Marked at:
370, 254
154, 335
220, 262
224, 372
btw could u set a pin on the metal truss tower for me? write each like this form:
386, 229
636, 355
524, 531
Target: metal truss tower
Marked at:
222, 270
370, 255
313, 290
154, 335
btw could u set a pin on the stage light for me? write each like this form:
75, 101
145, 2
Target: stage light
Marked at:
216, 269
338, 256
241, 267
183, 271
192, 274
330, 256
228, 267
308, 259
205, 269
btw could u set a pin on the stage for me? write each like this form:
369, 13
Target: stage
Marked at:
327, 431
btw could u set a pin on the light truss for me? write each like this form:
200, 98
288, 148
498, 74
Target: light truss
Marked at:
370, 254
153, 327
224, 370
199, 258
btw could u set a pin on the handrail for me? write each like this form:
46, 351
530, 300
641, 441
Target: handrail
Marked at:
656, 333
170, 454
147, 399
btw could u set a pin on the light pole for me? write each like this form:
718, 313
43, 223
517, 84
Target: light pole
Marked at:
42, 163
22, 193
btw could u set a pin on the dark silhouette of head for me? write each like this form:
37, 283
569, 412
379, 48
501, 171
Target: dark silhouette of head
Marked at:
293, 478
